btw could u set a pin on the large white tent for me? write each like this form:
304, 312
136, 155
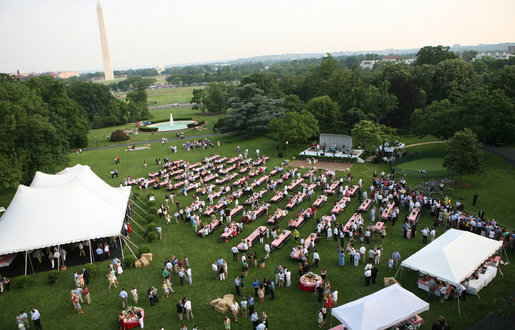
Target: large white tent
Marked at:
454, 256
75, 205
380, 310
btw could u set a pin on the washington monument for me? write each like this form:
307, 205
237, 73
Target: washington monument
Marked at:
106, 56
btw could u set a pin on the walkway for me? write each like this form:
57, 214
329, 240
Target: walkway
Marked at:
154, 141
506, 153
423, 143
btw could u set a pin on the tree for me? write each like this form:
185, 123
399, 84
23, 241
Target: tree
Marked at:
379, 102
325, 110
214, 98
451, 79
440, 118
434, 55
31, 141
264, 81
297, 127
198, 97
293, 103
251, 111
371, 135
464, 155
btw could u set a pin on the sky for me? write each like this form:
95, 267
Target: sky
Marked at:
61, 35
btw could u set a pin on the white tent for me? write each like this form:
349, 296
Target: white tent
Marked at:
42, 217
116, 196
453, 256
380, 310
71, 206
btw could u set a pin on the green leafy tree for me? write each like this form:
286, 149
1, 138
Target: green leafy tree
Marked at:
434, 55
464, 155
198, 97
214, 98
251, 111
293, 103
264, 81
451, 79
371, 135
440, 118
325, 110
296, 127
378, 102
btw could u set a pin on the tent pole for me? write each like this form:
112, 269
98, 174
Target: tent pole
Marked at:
140, 227
121, 246
128, 240
397, 272
130, 249
59, 259
504, 250
90, 254
31, 266
459, 311
26, 256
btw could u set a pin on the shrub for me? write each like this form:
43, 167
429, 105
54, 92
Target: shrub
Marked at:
54, 275
129, 261
152, 236
147, 129
22, 281
151, 217
144, 249
219, 124
91, 268
151, 227
197, 124
119, 135
152, 210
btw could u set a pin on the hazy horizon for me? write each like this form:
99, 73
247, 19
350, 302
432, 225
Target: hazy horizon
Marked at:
59, 35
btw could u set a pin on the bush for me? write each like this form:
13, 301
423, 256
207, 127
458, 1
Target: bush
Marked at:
151, 227
91, 268
152, 236
119, 135
22, 281
147, 129
151, 217
219, 124
129, 261
152, 210
144, 249
54, 275
196, 124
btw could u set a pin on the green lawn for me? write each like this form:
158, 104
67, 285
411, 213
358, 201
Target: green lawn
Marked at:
171, 95
291, 307
428, 164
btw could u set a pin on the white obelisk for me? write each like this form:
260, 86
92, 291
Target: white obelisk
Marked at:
106, 56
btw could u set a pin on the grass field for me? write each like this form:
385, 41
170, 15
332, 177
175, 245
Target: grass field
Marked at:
171, 95
428, 164
291, 307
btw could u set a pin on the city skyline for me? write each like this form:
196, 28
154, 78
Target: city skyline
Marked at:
59, 35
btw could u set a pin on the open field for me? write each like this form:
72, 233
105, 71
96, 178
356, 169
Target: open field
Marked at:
171, 95
291, 307
428, 164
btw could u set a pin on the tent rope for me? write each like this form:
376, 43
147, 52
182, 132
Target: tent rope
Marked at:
127, 245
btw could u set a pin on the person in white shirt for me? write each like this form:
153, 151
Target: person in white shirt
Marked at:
187, 306
267, 250
316, 259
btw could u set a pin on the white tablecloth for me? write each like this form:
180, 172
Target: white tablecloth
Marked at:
474, 286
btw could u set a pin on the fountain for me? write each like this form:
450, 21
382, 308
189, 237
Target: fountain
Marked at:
171, 119
171, 125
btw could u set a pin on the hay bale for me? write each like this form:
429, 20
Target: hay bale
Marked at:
389, 281
147, 256
221, 309
137, 264
144, 261
215, 302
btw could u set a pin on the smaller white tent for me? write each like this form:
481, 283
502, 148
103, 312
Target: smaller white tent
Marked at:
454, 256
380, 310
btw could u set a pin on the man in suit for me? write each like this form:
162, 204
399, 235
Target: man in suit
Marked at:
85, 275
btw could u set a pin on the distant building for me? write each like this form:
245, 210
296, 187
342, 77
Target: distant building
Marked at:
511, 49
67, 74
495, 55
368, 64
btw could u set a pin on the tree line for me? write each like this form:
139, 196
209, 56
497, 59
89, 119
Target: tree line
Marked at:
439, 94
43, 118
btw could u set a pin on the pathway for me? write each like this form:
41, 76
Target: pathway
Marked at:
506, 153
423, 143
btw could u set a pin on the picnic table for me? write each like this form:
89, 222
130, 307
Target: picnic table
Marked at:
414, 215
365, 205
320, 201
349, 225
308, 173
308, 243
276, 217
293, 201
278, 196
281, 240
387, 212
332, 188
261, 230
236, 210
230, 232
353, 190
340, 205
295, 183
213, 225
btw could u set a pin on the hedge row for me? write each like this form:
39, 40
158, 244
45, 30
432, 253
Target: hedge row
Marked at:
329, 159
200, 123
148, 129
